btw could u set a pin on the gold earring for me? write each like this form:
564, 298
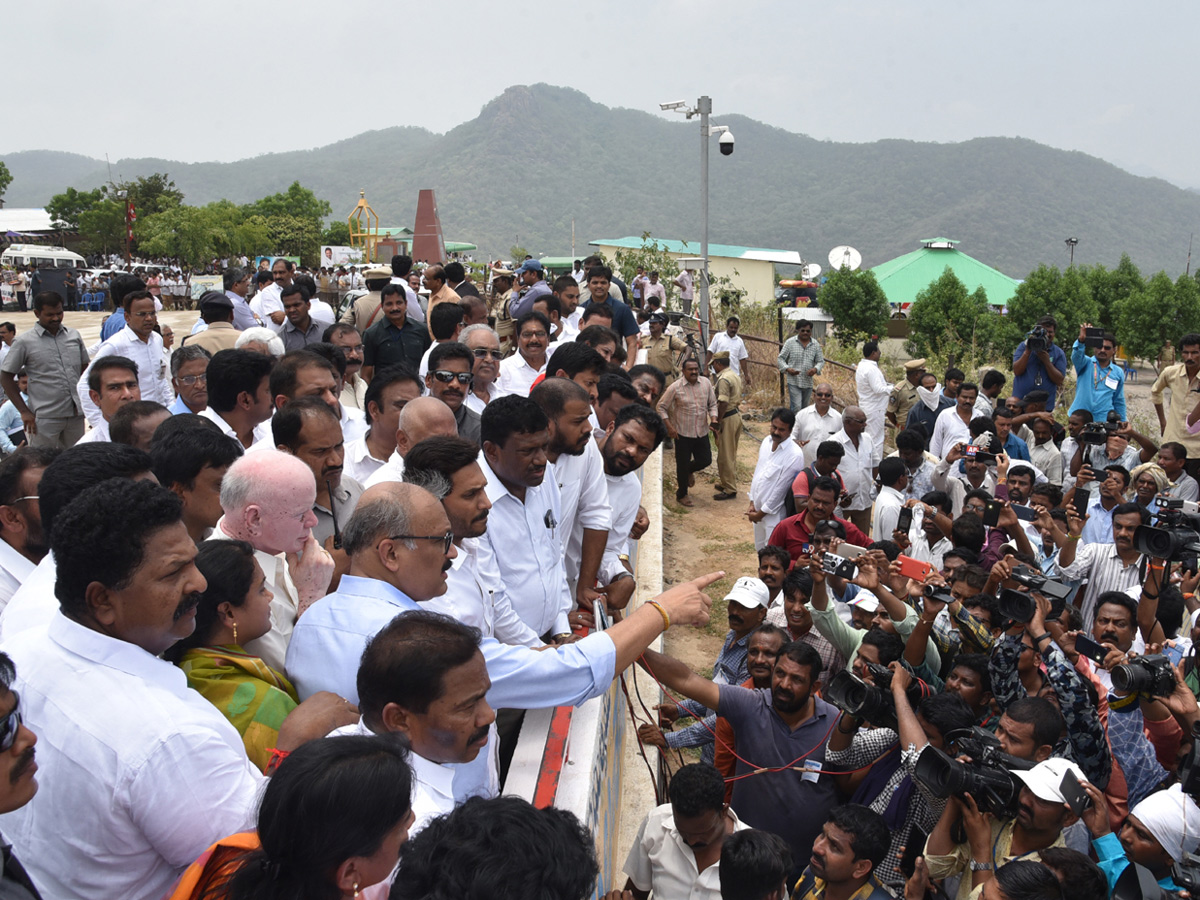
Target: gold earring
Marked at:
235, 640
356, 889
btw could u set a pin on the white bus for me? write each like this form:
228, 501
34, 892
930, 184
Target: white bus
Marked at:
41, 256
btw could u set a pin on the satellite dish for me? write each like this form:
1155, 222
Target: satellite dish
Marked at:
845, 255
810, 271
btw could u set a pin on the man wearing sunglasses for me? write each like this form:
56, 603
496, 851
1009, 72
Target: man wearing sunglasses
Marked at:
484, 345
449, 380
17, 781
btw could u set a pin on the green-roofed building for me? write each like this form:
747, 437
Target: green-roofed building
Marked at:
905, 276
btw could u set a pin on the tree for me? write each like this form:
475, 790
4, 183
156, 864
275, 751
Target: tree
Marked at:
296, 236
66, 208
186, 233
1046, 291
5, 178
1109, 289
102, 227
857, 303
298, 201
1159, 313
650, 255
336, 234
517, 254
946, 319
152, 194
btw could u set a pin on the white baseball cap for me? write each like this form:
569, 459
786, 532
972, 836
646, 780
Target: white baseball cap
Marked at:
749, 592
865, 601
1045, 779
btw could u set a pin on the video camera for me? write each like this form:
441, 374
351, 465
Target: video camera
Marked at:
1037, 340
872, 702
987, 778
1177, 536
1098, 432
1020, 606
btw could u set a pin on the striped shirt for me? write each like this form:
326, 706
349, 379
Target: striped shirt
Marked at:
795, 355
1104, 571
690, 407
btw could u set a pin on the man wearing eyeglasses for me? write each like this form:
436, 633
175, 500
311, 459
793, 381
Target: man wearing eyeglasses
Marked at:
189, 377
520, 371
236, 282
484, 345
139, 342
449, 380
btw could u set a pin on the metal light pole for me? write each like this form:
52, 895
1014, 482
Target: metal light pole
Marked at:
704, 108
1071, 242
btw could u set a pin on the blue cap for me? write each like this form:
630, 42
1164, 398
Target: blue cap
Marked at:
530, 265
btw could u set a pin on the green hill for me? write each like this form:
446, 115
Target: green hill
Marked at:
538, 157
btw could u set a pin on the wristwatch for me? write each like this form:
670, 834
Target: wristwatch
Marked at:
977, 866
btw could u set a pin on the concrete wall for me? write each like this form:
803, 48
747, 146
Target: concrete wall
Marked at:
586, 759
754, 276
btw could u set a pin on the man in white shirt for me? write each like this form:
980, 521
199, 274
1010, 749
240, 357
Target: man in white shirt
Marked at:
683, 281
525, 540
349, 341
139, 342
873, 393
267, 498
484, 345
23, 542
952, 426
267, 303
816, 423
779, 462
730, 340
138, 773
893, 479
311, 373
857, 467
239, 395
421, 418
112, 383
519, 371
390, 391
677, 851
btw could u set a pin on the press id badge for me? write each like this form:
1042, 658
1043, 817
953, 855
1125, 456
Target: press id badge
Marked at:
1111, 383
812, 771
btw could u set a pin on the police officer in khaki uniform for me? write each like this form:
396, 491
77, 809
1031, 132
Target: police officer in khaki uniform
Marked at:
904, 394
729, 425
662, 350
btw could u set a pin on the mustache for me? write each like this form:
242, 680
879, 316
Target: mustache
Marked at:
446, 566
480, 735
22, 766
186, 605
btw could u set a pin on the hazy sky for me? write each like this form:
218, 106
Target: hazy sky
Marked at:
215, 80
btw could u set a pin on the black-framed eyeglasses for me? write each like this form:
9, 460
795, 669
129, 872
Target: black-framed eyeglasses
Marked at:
11, 724
445, 377
482, 352
447, 539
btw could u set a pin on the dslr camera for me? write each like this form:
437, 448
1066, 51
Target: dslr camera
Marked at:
872, 702
1153, 676
1020, 607
1098, 432
1037, 341
1177, 535
987, 778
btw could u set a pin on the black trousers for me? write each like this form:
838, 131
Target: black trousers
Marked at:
691, 455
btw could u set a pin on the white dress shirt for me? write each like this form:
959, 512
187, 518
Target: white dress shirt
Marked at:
97, 435
948, 430
583, 495
855, 469
354, 423
285, 605
358, 462
660, 861
477, 405
525, 540
776, 469
139, 773
472, 599
14, 569
154, 377
887, 509
736, 347
262, 431
873, 393
812, 428
517, 376
268, 301
625, 496
392, 470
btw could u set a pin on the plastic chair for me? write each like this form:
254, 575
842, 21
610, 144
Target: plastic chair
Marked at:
1131, 373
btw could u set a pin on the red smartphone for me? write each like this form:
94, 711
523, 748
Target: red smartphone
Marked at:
914, 568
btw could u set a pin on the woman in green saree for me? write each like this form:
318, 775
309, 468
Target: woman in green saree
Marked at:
234, 610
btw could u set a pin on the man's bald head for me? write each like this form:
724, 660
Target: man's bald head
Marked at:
267, 498
422, 418
854, 421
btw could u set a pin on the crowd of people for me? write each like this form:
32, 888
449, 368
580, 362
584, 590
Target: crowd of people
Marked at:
275, 597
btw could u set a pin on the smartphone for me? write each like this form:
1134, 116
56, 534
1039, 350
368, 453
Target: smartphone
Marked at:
1081, 501
1024, 513
1085, 646
850, 551
991, 513
1074, 793
904, 519
1093, 337
914, 568
913, 847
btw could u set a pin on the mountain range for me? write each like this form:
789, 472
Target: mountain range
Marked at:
538, 158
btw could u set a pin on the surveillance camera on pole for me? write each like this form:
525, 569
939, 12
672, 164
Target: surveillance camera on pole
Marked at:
726, 143
678, 104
